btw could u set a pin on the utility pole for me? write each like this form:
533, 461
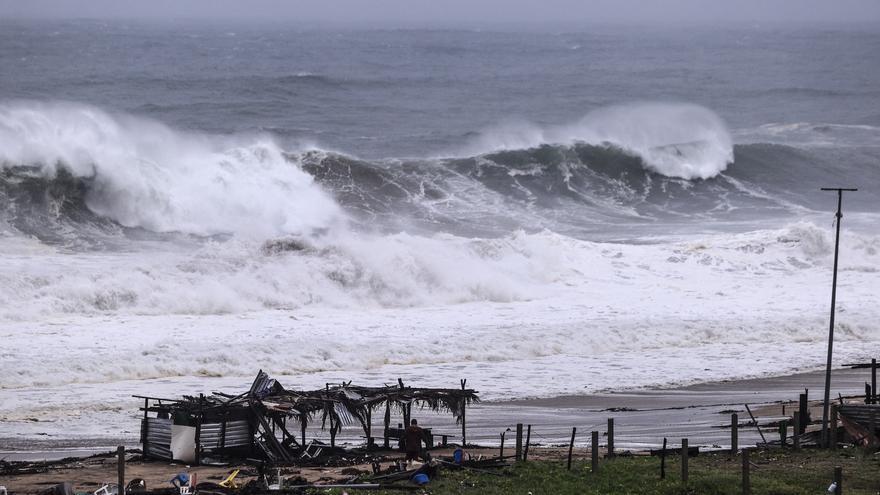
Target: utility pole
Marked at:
827, 402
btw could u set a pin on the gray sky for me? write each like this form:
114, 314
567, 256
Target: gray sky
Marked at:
451, 11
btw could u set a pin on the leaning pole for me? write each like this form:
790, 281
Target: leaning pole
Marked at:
826, 403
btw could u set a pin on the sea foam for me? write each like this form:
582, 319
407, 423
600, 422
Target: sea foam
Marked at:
673, 139
144, 174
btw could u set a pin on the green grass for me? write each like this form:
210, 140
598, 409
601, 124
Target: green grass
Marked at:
777, 472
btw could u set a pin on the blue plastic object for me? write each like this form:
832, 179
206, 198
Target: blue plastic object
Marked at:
181, 479
421, 479
458, 456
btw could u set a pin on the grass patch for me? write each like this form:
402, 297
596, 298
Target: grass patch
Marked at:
775, 472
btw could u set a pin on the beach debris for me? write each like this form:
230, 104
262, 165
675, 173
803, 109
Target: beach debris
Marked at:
208, 429
136, 485
862, 423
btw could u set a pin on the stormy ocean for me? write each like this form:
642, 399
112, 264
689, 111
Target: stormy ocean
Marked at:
541, 211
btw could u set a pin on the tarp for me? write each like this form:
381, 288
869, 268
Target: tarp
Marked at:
183, 443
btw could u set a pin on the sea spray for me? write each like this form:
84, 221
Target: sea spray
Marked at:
674, 139
143, 174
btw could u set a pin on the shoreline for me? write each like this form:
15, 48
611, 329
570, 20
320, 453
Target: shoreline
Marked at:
643, 418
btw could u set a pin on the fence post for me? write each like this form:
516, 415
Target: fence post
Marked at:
663, 460
594, 451
684, 460
804, 411
528, 439
571, 446
501, 452
519, 444
783, 433
838, 479
746, 482
795, 436
463, 411
120, 469
610, 437
734, 433
874, 380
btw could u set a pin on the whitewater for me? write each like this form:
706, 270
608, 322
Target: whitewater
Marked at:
367, 226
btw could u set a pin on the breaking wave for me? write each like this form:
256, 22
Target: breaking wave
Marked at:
78, 176
672, 139
59, 158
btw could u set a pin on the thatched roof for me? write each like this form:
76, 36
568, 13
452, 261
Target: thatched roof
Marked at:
342, 404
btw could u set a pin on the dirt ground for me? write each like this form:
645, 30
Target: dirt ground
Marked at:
89, 474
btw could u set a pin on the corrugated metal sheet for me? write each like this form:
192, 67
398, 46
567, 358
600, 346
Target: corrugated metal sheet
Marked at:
238, 434
158, 441
866, 415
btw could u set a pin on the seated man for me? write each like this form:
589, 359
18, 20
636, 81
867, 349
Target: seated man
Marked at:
413, 438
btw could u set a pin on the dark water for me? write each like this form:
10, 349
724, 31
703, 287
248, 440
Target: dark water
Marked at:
416, 118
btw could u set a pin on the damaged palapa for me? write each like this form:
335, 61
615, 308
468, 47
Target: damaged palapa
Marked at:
255, 424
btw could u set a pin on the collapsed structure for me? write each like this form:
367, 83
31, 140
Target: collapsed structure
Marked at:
861, 422
257, 423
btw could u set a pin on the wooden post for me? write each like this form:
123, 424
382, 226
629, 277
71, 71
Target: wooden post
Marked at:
145, 431
684, 460
463, 410
387, 423
519, 444
804, 414
867, 393
734, 433
832, 432
501, 452
746, 482
199, 437
663, 460
783, 433
874, 381
302, 430
795, 436
332, 433
755, 421
571, 446
610, 437
369, 428
594, 451
120, 469
528, 439
838, 478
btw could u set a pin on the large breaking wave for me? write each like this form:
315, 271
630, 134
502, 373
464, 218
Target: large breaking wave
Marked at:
73, 174
73, 162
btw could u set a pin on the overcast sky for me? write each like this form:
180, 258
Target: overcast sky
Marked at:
452, 11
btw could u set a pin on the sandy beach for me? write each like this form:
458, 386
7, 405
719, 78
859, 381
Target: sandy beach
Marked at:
642, 419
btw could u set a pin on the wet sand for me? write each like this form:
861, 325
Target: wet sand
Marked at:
700, 413
642, 418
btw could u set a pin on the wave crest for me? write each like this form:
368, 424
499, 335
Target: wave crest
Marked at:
140, 173
673, 139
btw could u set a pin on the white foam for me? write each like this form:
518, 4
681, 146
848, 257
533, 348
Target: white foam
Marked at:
674, 139
144, 174
527, 315
812, 134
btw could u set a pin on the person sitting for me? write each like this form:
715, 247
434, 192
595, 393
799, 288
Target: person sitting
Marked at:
413, 438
